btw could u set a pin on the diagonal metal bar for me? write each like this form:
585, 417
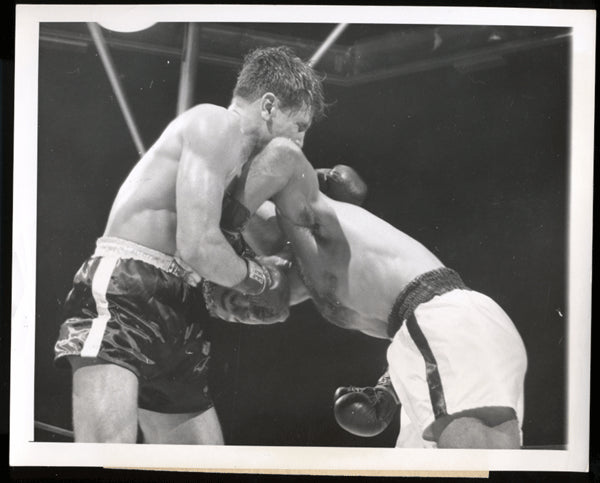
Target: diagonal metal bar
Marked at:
324, 47
354, 72
107, 61
189, 64
53, 429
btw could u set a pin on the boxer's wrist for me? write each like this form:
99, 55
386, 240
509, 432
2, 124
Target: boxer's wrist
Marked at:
384, 383
389, 390
257, 280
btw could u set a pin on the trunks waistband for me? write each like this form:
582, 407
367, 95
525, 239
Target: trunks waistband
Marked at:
420, 290
117, 247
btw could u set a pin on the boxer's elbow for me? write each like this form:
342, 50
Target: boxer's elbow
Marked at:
284, 145
283, 150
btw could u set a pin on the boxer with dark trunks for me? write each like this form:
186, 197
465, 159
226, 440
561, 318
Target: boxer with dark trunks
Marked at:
456, 361
134, 329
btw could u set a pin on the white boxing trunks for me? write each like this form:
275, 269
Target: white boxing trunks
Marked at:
454, 352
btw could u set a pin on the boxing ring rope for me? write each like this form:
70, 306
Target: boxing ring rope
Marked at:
53, 429
189, 64
333, 36
106, 58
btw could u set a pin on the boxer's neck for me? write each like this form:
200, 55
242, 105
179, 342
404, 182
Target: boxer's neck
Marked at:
248, 112
251, 122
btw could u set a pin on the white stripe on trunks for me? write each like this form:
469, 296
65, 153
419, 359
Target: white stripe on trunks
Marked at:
100, 282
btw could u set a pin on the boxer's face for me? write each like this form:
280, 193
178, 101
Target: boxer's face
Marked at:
290, 123
293, 124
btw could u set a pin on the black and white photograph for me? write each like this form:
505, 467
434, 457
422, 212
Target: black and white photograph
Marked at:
342, 240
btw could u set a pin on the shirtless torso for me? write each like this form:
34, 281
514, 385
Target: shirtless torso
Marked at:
358, 293
145, 208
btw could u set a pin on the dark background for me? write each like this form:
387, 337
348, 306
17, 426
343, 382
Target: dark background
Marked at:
473, 164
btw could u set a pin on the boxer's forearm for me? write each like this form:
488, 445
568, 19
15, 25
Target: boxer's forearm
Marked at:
213, 258
268, 174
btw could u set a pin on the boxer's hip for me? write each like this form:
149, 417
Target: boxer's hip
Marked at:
421, 290
127, 250
137, 308
454, 350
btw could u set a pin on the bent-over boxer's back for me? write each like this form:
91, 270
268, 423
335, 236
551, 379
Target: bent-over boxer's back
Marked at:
383, 260
144, 210
353, 263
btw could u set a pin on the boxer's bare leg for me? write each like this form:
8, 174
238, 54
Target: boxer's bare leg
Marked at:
473, 433
191, 428
104, 403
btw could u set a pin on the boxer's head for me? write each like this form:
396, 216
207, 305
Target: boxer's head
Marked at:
289, 90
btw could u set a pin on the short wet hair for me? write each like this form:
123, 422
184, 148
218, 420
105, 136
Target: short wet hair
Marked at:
280, 71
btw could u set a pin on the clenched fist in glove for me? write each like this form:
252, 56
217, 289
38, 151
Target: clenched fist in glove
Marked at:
342, 183
366, 411
267, 306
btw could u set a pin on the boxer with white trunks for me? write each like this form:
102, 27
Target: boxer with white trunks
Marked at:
455, 359
134, 329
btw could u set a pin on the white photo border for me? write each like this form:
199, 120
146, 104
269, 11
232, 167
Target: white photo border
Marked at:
25, 452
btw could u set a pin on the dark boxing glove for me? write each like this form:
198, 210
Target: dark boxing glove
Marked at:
342, 183
365, 411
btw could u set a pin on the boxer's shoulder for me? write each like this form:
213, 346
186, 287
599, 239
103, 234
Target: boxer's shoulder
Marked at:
283, 158
214, 122
205, 111
212, 132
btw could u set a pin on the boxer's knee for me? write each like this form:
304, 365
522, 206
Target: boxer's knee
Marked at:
469, 432
104, 403
191, 428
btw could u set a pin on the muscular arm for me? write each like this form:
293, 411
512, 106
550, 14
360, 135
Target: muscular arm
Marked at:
283, 174
268, 173
201, 183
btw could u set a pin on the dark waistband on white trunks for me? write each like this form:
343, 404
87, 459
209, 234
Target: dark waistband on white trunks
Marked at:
117, 247
420, 290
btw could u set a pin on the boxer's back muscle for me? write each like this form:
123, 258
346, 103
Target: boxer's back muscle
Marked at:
355, 264
384, 260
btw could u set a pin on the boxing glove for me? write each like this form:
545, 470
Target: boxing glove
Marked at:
342, 183
268, 307
272, 305
365, 411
